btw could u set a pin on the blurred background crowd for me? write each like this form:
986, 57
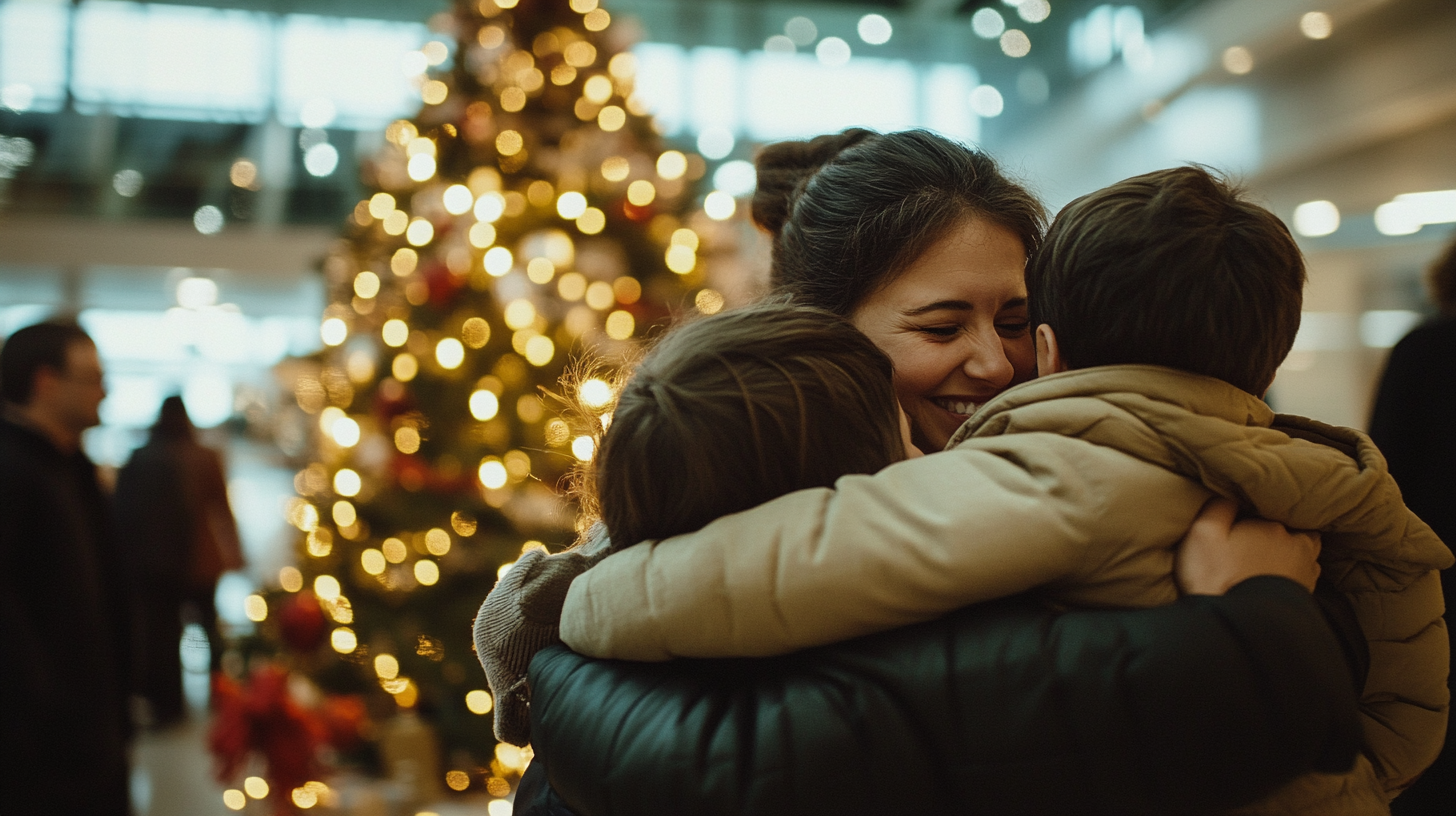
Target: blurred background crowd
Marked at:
327, 251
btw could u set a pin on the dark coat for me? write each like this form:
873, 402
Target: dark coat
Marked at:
1414, 423
64, 718
1002, 708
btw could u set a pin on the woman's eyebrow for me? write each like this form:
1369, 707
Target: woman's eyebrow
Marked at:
939, 305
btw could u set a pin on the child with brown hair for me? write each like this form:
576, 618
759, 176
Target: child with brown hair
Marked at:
723, 414
1163, 305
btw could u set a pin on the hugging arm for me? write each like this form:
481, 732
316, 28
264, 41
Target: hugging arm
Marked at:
1002, 708
910, 543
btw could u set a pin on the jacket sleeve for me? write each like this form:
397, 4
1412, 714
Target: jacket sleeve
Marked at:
1004, 708
989, 519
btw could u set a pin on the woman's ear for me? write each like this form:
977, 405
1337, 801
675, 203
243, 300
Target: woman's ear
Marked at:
1048, 354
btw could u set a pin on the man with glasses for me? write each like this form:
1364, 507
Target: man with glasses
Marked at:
64, 628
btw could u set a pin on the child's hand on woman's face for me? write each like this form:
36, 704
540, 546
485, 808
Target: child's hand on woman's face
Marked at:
1219, 551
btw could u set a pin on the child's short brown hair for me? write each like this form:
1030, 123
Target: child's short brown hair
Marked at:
1174, 268
730, 411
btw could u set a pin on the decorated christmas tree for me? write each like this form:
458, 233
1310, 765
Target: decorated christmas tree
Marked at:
529, 217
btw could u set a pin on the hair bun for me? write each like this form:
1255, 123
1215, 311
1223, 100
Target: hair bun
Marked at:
784, 168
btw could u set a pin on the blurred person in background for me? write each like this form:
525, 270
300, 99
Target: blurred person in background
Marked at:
179, 536
64, 720
1414, 423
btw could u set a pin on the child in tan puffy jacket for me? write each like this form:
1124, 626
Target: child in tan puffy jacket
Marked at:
1164, 304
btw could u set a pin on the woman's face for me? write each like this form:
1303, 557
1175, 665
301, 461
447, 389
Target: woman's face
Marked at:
955, 325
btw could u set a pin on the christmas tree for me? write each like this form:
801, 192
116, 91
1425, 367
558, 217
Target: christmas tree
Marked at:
529, 216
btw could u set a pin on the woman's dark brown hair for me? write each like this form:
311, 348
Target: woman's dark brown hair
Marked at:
730, 411
849, 212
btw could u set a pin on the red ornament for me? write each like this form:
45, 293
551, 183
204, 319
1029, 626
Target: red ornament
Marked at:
262, 717
301, 623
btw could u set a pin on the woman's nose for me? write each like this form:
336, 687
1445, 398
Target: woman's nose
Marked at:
988, 362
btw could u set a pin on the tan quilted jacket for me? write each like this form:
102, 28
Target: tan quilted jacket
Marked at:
1078, 485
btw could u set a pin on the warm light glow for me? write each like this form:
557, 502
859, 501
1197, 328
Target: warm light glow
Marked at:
366, 284
600, 295
498, 261
481, 234
381, 205
681, 259
304, 798
386, 666
490, 206
475, 332
256, 787
345, 432
343, 640
583, 6
396, 222
719, 206
597, 89
540, 270
347, 482
407, 439
457, 199
437, 541
627, 290
326, 587
492, 473
708, 301
620, 325
641, 192
403, 261
571, 286
685, 237
509, 143
256, 608
344, 514
421, 167
571, 205
592, 221
539, 350
372, 561
449, 353
420, 232
1316, 25
594, 393
597, 20
479, 701
579, 54
510, 756
611, 118
405, 367
334, 331
672, 165
1316, 218
395, 551
512, 99
484, 405
434, 92
234, 799
427, 572
520, 313
457, 781
1238, 60
395, 332
243, 174
290, 579
518, 465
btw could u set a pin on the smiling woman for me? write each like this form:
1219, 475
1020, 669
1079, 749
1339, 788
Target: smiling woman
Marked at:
922, 243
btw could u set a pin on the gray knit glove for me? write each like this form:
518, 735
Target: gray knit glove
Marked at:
520, 617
